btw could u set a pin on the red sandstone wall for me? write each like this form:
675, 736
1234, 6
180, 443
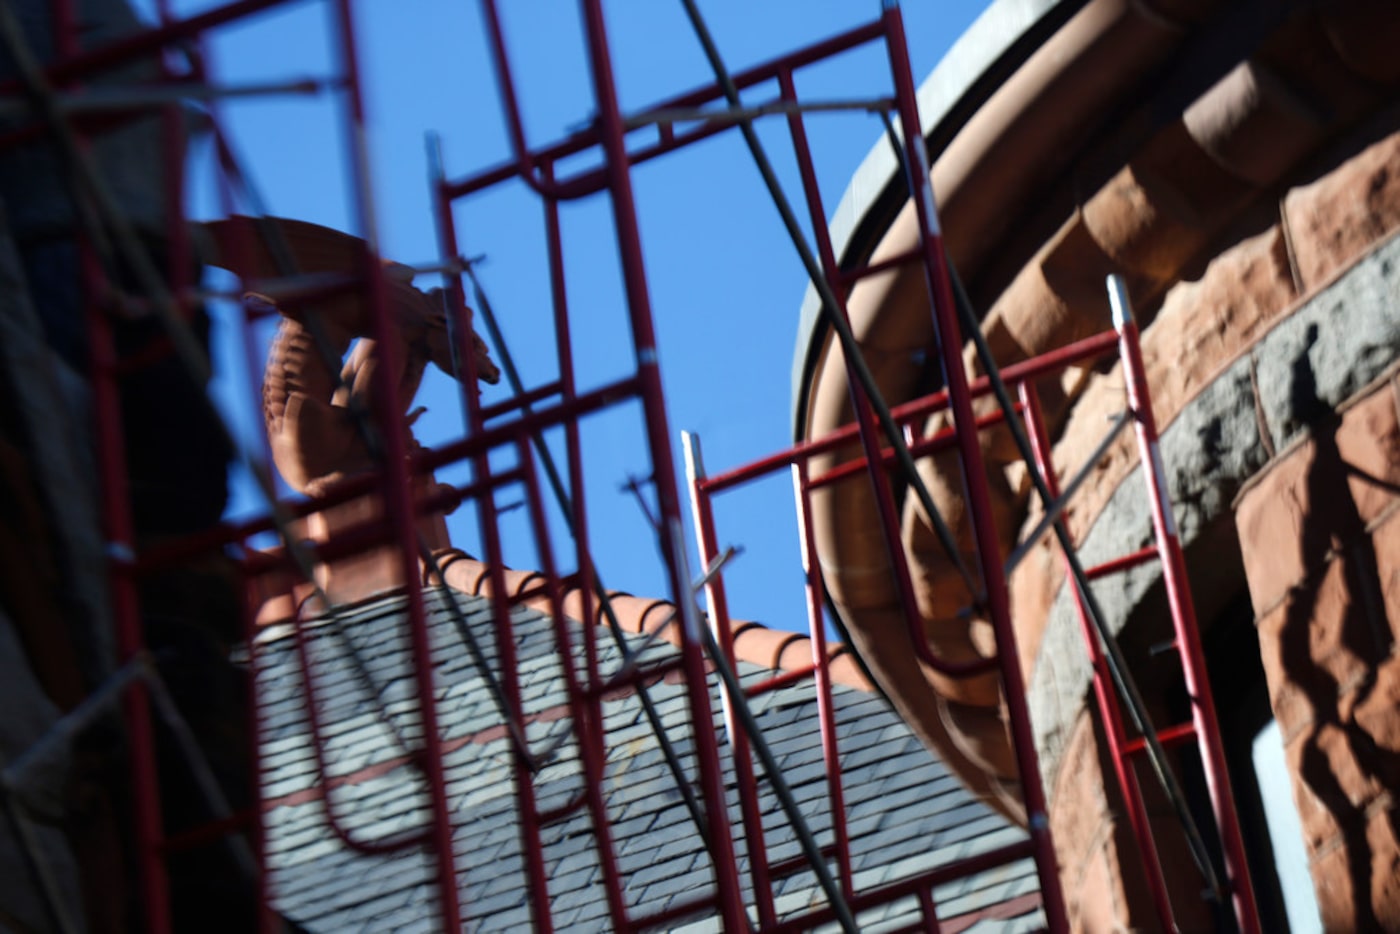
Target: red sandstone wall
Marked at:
1326, 629
1321, 543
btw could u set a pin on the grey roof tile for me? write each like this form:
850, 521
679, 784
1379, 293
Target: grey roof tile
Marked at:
906, 813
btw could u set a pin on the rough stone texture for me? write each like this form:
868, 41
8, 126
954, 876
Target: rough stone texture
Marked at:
1241, 370
1083, 829
1105, 884
1319, 532
1203, 325
1210, 449
1340, 214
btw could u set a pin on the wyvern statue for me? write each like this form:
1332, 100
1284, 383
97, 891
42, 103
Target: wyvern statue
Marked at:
313, 418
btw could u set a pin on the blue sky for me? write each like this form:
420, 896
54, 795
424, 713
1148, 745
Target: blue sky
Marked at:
725, 283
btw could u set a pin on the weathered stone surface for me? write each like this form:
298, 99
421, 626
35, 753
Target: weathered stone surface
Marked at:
1215, 444
1095, 900
1368, 444
1333, 346
375, 571
1336, 897
1292, 707
1381, 837
1320, 541
1326, 761
1336, 217
1078, 828
1385, 539
1084, 835
1269, 511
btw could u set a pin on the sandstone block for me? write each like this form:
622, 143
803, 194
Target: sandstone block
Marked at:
1269, 516
1079, 815
1368, 444
1377, 714
1382, 840
1336, 218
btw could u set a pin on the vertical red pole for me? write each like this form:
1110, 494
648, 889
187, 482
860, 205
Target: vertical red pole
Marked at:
979, 502
1103, 685
826, 709
1188, 637
126, 613
397, 496
248, 594
586, 708
531, 849
120, 533
870, 436
611, 132
703, 514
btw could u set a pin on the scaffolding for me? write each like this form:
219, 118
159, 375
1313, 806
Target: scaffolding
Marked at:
513, 431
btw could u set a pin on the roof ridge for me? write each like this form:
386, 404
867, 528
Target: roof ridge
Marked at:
754, 643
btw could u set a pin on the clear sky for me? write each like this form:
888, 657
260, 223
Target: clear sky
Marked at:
725, 282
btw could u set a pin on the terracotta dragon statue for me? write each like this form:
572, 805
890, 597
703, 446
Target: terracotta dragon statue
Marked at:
312, 413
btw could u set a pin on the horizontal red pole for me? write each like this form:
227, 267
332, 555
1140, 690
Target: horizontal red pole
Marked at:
882, 895
144, 43
851, 276
516, 403
177, 550
790, 676
942, 441
527, 425
1122, 564
1088, 348
591, 137
629, 679
793, 864
1173, 734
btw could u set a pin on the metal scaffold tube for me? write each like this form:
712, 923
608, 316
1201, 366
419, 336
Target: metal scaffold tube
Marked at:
997, 604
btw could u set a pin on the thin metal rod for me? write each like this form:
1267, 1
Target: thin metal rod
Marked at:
997, 604
781, 791
1109, 708
59, 737
360, 420
915, 410
524, 163
873, 464
91, 201
672, 542
586, 705
136, 97
40, 867
821, 664
1061, 501
831, 307
398, 500
634, 650
205, 782
571, 507
1117, 664
738, 114
722, 632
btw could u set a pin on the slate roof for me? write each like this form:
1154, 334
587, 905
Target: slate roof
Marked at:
906, 812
